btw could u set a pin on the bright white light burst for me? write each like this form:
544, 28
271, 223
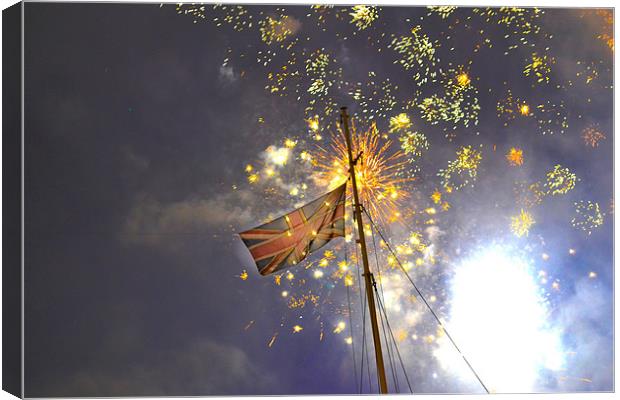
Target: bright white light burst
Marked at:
499, 319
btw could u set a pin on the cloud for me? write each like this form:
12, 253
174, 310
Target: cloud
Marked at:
152, 222
205, 367
227, 75
589, 340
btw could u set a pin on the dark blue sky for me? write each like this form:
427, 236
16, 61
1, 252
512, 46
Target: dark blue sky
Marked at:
136, 141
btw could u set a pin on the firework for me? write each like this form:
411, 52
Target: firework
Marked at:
276, 30
379, 178
539, 68
363, 16
462, 171
560, 180
413, 144
529, 194
457, 105
443, 11
592, 136
416, 52
552, 117
236, 16
521, 25
515, 157
521, 224
607, 34
376, 99
399, 122
588, 216
509, 107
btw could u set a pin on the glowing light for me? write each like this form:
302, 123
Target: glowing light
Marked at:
588, 216
244, 275
348, 340
515, 156
592, 275
399, 122
378, 174
413, 144
274, 31
313, 123
560, 180
462, 79
253, 178
522, 223
297, 328
443, 11
340, 327
592, 136
496, 303
463, 170
524, 110
539, 68
284, 293
363, 16
318, 274
278, 155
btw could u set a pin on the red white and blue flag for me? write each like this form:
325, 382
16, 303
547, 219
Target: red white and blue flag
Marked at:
287, 240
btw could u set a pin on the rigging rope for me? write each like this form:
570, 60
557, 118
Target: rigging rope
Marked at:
387, 341
346, 260
364, 343
402, 365
424, 300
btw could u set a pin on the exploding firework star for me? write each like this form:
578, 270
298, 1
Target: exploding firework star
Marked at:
379, 170
592, 136
515, 157
399, 122
463, 170
588, 216
560, 180
363, 16
413, 144
521, 224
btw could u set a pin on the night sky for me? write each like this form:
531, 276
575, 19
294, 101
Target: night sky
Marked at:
141, 121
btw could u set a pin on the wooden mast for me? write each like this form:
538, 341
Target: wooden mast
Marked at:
368, 277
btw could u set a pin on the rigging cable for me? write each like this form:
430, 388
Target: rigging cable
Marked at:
346, 260
364, 343
387, 340
402, 365
425, 302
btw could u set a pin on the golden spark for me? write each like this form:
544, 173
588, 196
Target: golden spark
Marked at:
399, 122
515, 157
522, 223
378, 170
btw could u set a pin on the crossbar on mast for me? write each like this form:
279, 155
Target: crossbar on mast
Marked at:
368, 278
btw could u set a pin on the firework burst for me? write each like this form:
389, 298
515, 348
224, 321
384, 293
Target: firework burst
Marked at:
379, 170
521, 224
592, 136
588, 216
560, 180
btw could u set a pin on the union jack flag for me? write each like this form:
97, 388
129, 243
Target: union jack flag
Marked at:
289, 239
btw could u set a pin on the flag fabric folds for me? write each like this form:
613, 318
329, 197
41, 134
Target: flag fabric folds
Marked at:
287, 240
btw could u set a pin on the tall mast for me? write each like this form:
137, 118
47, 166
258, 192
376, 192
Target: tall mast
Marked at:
368, 277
